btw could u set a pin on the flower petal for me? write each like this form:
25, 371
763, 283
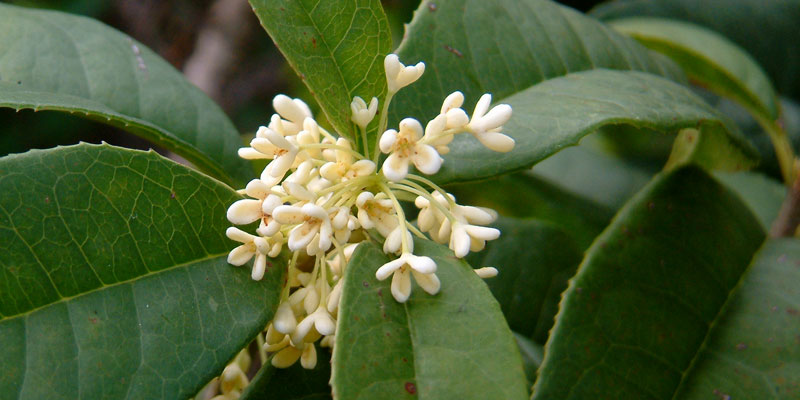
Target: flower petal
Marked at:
241, 255
387, 140
395, 168
428, 282
426, 159
401, 286
421, 264
245, 211
288, 215
387, 269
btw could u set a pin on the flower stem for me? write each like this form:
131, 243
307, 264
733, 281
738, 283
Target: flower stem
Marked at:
382, 125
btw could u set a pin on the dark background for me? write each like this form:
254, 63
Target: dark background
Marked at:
242, 75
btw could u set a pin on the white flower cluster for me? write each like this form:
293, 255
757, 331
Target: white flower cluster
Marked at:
320, 197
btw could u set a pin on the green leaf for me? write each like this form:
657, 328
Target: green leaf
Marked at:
532, 354
453, 345
588, 171
559, 112
337, 48
55, 61
506, 46
766, 29
708, 58
752, 352
534, 197
534, 259
764, 195
293, 383
114, 281
642, 306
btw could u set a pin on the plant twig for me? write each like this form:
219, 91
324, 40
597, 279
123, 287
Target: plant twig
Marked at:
789, 215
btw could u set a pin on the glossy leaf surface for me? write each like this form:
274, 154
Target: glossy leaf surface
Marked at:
638, 314
453, 345
55, 61
337, 48
559, 112
114, 276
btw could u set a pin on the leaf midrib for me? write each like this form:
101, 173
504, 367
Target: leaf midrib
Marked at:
65, 299
714, 323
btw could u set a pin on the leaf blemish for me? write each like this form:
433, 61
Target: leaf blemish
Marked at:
432, 7
411, 388
454, 51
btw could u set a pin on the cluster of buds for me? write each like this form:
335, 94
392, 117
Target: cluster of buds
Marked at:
319, 197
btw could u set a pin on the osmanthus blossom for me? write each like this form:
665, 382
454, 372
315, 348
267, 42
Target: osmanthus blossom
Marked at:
320, 197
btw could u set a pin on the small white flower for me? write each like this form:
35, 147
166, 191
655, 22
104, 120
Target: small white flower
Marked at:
486, 127
376, 212
344, 168
312, 219
424, 271
245, 211
362, 115
251, 246
486, 272
398, 75
336, 264
280, 148
343, 223
435, 136
465, 236
431, 219
293, 113
394, 241
284, 321
404, 147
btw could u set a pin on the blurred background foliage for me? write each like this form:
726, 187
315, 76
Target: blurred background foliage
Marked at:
220, 46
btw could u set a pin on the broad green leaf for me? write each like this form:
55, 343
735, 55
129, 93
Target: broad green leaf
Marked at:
591, 172
559, 112
752, 352
766, 29
764, 195
293, 383
453, 345
525, 195
55, 61
534, 259
337, 48
505, 46
708, 58
642, 306
114, 281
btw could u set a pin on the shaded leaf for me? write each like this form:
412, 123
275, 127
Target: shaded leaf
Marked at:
708, 58
559, 112
643, 303
293, 383
534, 259
591, 172
767, 29
453, 345
764, 195
532, 354
524, 195
114, 281
55, 61
752, 351
506, 46
337, 48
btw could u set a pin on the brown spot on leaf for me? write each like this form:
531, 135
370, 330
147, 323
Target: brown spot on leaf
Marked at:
741, 346
454, 51
411, 388
432, 7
